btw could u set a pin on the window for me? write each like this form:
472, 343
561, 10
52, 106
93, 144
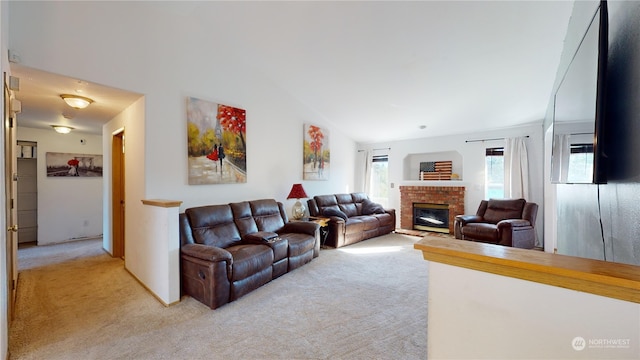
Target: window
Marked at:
379, 189
580, 163
494, 173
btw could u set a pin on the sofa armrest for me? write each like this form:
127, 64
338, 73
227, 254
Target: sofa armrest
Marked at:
516, 233
467, 219
302, 227
513, 223
462, 220
335, 219
207, 253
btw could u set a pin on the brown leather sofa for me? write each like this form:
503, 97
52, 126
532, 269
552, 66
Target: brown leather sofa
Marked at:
229, 250
508, 222
352, 217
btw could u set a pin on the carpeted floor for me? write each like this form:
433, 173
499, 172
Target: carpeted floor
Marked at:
364, 301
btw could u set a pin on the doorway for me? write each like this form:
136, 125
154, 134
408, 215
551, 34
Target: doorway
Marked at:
27, 192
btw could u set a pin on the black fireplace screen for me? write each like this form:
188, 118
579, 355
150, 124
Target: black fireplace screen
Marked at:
431, 217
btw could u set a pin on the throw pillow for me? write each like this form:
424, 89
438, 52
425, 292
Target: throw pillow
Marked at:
369, 207
334, 212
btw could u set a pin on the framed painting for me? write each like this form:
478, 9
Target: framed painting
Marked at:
216, 144
316, 153
73, 165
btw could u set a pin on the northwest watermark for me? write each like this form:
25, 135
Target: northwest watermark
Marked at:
579, 343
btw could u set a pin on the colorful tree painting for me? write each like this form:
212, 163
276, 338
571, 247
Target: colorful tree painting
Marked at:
216, 144
316, 153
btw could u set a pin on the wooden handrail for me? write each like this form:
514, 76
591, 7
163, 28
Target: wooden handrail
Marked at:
614, 280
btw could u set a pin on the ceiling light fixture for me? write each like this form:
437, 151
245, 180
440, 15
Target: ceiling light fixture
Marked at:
76, 101
62, 129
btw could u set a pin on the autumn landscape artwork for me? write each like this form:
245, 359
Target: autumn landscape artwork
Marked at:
216, 143
316, 153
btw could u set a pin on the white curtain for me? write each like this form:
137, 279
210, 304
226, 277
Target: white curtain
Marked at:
560, 160
516, 169
368, 162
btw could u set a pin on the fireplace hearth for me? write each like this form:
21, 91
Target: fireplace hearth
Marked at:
453, 196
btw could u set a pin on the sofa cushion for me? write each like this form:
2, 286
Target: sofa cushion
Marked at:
369, 222
498, 210
331, 211
299, 243
266, 214
369, 207
249, 260
350, 209
346, 204
325, 200
385, 219
357, 199
354, 225
213, 225
481, 231
243, 218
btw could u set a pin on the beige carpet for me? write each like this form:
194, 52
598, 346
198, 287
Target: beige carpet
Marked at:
364, 301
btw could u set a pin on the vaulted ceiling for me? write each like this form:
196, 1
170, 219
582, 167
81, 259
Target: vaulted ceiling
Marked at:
382, 71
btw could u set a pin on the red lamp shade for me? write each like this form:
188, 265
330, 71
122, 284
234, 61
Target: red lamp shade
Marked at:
297, 192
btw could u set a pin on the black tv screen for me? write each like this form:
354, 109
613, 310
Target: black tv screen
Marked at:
578, 154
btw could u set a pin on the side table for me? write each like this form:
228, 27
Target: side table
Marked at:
324, 226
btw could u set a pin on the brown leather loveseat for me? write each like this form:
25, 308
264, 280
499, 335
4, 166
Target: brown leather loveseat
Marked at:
508, 222
229, 250
352, 217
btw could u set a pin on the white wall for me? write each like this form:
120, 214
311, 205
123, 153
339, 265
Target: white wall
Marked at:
167, 52
132, 122
478, 315
473, 160
69, 208
167, 64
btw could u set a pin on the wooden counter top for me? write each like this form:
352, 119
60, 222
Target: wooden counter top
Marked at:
615, 280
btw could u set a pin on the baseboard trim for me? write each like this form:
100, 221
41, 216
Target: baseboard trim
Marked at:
151, 291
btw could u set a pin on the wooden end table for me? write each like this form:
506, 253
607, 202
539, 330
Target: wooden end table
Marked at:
324, 226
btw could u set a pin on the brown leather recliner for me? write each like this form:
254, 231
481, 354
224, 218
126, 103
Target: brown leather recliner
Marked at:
508, 222
229, 250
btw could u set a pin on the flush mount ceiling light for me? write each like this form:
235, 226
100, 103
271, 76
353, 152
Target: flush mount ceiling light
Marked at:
76, 101
62, 129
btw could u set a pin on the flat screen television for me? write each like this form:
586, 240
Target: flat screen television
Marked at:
578, 152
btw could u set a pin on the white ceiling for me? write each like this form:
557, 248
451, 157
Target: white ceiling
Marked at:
378, 70
42, 105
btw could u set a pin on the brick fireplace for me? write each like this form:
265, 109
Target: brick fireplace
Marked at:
449, 195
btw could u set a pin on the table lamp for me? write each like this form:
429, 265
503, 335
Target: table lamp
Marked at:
297, 192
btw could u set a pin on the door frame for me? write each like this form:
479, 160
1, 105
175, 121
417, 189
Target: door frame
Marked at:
11, 206
117, 193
